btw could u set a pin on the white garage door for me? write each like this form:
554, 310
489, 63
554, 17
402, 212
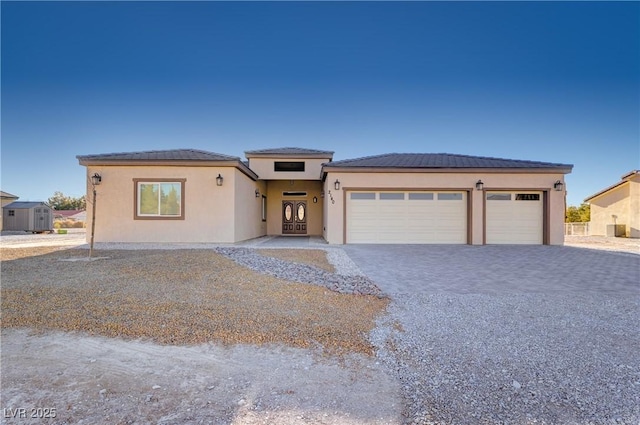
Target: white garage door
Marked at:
514, 218
407, 217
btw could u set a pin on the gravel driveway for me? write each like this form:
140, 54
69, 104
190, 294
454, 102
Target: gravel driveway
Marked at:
513, 335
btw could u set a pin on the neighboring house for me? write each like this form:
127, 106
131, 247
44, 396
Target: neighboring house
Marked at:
6, 198
28, 217
69, 214
615, 211
189, 195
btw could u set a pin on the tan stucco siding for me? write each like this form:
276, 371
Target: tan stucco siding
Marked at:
248, 208
275, 189
634, 206
208, 208
334, 213
264, 168
615, 202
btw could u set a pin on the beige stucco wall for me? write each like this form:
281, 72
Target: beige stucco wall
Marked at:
209, 209
3, 202
334, 206
263, 167
275, 198
248, 208
623, 202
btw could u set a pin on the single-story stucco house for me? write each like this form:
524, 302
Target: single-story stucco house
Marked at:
189, 195
615, 211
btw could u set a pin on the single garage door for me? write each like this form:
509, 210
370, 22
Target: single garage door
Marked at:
514, 218
407, 217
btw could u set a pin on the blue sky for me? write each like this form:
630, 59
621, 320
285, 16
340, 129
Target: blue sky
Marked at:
547, 81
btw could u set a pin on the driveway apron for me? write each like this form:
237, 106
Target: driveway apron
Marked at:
509, 334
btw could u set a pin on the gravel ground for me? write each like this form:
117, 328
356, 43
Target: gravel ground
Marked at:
183, 297
345, 284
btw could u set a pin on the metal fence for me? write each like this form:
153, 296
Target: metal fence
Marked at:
576, 229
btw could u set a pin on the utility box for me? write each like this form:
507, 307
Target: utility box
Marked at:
36, 217
616, 230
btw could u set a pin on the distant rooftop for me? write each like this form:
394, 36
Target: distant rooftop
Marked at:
439, 160
289, 151
7, 195
161, 155
23, 204
625, 178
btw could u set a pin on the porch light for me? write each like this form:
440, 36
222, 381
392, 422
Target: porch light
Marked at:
558, 186
322, 194
96, 179
479, 185
315, 199
257, 193
336, 184
219, 180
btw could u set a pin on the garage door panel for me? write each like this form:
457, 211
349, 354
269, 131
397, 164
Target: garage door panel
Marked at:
514, 218
409, 217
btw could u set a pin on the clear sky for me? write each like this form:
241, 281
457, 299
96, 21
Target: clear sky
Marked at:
546, 81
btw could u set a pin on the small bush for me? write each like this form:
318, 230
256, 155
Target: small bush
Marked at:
78, 224
56, 224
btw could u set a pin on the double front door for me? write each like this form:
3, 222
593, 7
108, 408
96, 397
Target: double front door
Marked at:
294, 217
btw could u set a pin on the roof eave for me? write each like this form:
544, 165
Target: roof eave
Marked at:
328, 155
170, 163
352, 169
605, 191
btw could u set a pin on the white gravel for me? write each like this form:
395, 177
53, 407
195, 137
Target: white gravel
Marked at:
339, 282
514, 359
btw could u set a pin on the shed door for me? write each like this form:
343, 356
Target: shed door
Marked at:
41, 219
514, 218
407, 217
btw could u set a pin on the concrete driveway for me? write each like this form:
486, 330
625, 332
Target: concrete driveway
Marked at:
428, 269
509, 334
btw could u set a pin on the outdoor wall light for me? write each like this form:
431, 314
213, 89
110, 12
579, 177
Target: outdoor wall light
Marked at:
96, 179
315, 199
322, 194
479, 185
219, 180
336, 184
558, 186
257, 193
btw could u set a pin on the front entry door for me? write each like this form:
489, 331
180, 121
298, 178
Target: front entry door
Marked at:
294, 217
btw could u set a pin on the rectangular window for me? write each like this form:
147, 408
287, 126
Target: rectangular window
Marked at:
498, 196
449, 196
294, 193
288, 166
12, 213
528, 197
159, 199
420, 196
391, 196
264, 208
360, 196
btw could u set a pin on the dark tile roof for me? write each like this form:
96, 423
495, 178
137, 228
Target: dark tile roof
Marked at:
164, 155
439, 160
25, 204
288, 151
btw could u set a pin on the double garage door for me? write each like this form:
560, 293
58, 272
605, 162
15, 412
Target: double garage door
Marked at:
407, 217
440, 217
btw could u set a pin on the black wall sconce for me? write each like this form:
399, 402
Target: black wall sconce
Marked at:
558, 186
315, 199
479, 185
336, 184
96, 179
257, 193
219, 180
